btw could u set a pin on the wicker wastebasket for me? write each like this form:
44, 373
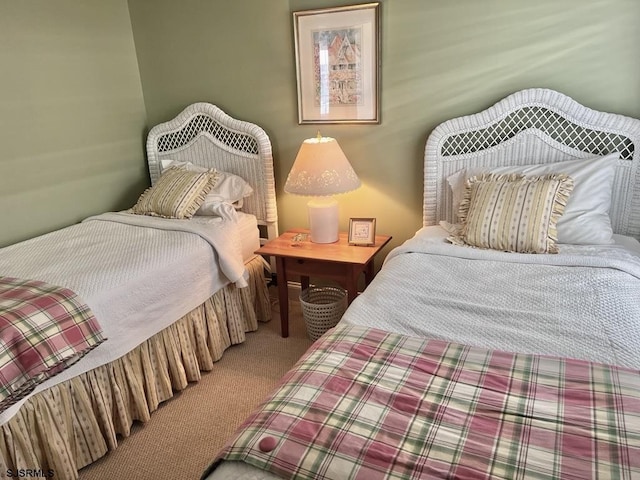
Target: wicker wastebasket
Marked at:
322, 308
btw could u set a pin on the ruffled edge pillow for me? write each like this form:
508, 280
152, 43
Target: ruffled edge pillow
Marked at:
586, 219
230, 188
512, 212
178, 193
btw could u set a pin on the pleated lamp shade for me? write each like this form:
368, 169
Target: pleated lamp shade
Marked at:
321, 169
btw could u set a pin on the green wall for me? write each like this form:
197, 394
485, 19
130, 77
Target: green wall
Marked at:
72, 114
440, 59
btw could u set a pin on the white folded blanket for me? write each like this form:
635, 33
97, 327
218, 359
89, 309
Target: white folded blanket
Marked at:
221, 234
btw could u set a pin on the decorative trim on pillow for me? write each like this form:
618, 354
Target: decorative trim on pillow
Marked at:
178, 193
513, 213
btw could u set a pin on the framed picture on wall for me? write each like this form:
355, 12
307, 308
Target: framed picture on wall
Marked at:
338, 64
362, 231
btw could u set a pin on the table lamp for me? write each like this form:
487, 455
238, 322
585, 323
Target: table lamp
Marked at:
321, 170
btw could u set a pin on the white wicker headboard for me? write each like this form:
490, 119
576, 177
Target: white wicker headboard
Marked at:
206, 136
534, 126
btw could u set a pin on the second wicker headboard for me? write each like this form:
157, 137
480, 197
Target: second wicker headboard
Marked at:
205, 135
534, 126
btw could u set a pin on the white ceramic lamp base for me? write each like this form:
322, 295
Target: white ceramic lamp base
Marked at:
323, 220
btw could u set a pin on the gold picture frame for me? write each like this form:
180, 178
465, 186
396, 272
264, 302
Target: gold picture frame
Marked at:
338, 64
362, 231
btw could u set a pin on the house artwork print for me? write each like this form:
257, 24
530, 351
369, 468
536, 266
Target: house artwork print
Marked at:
337, 67
337, 64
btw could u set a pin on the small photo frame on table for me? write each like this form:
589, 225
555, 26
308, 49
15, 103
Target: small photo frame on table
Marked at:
362, 231
338, 64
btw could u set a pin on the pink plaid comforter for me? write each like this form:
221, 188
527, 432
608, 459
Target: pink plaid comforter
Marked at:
43, 330
367, 404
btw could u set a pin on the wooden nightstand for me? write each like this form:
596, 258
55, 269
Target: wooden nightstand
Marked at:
338, 261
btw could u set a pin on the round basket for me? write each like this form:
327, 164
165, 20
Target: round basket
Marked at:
322, 308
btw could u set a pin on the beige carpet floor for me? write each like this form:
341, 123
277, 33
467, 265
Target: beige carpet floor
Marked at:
186, 432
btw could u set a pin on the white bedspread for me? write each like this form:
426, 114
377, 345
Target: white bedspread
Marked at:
138, 274
583, 302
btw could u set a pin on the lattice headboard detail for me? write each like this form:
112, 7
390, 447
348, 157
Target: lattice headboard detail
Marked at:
534, 126
204, 123
204, 135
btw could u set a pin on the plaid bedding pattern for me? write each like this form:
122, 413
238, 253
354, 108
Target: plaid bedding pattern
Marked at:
367, 404
43, 330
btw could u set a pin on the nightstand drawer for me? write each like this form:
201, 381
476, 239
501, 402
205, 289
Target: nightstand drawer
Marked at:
309, 268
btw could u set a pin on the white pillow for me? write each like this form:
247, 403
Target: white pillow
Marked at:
230, 188
586, 217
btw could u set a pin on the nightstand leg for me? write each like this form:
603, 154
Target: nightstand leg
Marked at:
369, 272
352, 284
283, 296
304, 283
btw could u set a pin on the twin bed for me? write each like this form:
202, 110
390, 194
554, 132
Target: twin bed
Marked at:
466, 362
170, 295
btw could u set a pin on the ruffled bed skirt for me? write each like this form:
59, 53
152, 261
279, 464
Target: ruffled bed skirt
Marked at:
76, 422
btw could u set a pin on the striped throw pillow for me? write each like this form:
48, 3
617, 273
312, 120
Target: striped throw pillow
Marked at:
177, 194
513, 213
